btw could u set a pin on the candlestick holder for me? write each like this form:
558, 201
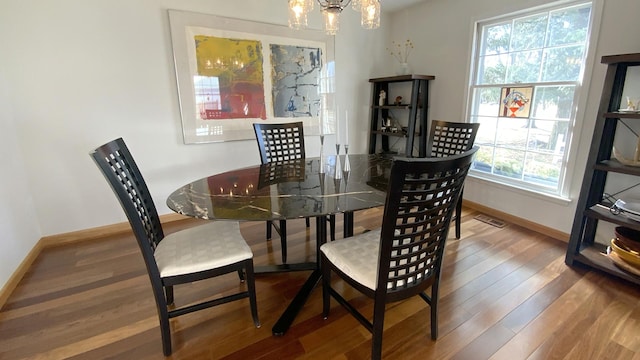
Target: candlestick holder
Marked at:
322, 159
321, 177
347, 164
337, 174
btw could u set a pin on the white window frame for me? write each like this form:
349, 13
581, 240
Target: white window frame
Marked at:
580, 100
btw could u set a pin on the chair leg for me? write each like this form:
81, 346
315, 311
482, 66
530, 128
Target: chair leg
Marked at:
458, 215
169, 294
332, 227
251, 288
241, 275
269, 224
283, 240
326, 284
165, 331
434, 310
163, 312
376, 333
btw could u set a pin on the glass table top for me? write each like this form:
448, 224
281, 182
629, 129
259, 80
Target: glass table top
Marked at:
286, 190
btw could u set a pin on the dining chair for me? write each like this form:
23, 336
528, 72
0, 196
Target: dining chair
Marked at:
404, 257
448, 138
281, 143
189, 255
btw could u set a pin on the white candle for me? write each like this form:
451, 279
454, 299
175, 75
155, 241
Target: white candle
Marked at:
337, 126
320, 127
346, 124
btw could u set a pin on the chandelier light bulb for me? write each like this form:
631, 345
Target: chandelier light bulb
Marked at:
331, 22
370, 18
331, 9
309, 5
298, 10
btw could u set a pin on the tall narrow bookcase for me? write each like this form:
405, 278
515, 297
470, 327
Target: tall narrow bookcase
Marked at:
592, 207
416, 107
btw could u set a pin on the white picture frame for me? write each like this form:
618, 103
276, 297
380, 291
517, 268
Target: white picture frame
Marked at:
297, 66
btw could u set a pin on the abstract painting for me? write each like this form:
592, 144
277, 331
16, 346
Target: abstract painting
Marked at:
232, 73
229, 81
295, 79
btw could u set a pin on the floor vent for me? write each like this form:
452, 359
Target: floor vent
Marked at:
489, 220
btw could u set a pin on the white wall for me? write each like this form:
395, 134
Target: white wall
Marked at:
442, 33
19, 228
80, 73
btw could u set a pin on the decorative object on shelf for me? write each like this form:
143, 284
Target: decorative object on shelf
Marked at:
635, 161
628, 237
382, 98
623, 264
625, 161
398, 100
403, 69
619, 262
401, 52
629, 209
331, 10
630, 105
629, 256
624, 251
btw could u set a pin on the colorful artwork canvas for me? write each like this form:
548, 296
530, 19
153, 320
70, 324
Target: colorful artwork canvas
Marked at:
516, 101
229, 80
295, 79
232, 73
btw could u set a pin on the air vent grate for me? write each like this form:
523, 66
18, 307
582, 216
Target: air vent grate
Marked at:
489, 220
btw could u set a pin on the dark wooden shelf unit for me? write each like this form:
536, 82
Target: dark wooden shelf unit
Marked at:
591, 207
417, 116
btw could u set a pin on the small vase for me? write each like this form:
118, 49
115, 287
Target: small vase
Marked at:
403, 69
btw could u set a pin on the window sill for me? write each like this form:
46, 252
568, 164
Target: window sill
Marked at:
503, 186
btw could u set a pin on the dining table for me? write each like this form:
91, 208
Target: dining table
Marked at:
309, 187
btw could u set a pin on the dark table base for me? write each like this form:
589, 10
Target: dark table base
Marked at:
286, 319
266, 269
284, 322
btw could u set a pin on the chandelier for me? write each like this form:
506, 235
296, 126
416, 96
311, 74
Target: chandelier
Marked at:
331, 9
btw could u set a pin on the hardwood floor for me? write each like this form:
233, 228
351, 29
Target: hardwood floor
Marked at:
506, 294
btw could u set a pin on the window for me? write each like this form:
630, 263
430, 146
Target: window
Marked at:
528, 75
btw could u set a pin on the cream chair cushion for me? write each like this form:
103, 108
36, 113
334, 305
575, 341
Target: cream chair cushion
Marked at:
203, 247
356, 256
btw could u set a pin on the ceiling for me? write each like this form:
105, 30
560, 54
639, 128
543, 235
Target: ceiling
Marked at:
395, 5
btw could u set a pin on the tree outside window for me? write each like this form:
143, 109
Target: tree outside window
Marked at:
544, 50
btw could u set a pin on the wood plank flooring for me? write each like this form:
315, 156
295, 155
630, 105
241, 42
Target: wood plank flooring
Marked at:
506, 294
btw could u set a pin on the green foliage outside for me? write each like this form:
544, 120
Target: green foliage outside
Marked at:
543, 47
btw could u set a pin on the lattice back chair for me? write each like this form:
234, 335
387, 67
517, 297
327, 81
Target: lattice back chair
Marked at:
281, 143
404, 257
448, 138
189, 255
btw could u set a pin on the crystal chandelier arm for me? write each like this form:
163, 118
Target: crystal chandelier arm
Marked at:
331, 10
334, 4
